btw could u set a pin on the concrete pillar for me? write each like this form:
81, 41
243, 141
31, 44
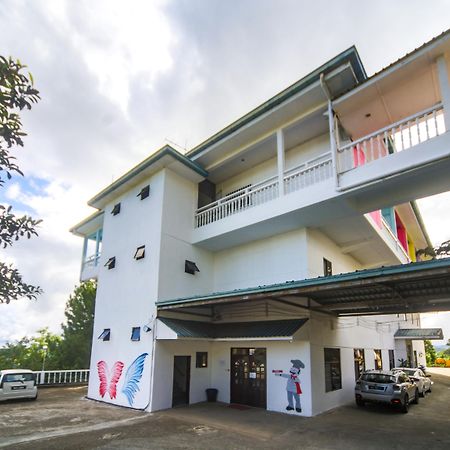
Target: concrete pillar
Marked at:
444, 85
333, 147
280, 161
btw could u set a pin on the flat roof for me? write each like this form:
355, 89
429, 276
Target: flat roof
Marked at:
415, 287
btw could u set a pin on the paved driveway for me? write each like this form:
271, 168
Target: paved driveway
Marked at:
63, 419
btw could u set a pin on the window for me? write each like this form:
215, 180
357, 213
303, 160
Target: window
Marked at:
201, 360
14, 377
391, 359
360, 364
333, 380
144, 193
378, 359
116, 209
105, 335
140, 252
327, 267
136, 334
190, 267
111, 263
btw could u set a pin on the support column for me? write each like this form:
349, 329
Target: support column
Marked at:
444, 85
83, 256
333, 147
97, 247
280, 161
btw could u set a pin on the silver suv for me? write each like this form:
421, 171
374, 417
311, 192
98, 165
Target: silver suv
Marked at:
386, 386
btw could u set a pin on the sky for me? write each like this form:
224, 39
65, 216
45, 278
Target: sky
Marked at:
120, 79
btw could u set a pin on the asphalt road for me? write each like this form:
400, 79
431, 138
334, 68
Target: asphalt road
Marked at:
63, 419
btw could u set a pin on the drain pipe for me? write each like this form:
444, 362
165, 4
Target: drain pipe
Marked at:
332, 129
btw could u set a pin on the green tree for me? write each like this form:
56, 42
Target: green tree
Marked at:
16, 93
430, 352
76, 343
32, 352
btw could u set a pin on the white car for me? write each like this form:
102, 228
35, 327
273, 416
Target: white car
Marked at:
422, 381
17, 383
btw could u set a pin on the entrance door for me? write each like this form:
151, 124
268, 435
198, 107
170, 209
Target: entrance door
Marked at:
181, 380
248, 376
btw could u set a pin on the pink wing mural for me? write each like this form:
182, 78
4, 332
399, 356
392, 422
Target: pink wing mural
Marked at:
104, 373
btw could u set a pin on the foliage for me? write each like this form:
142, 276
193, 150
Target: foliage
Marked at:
440, 251
16, 93
77, 331
29, 353
430, 352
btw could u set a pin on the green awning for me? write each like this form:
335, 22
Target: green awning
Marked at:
234, 330
419, 333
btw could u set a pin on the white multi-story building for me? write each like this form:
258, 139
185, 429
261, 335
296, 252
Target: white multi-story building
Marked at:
283, 241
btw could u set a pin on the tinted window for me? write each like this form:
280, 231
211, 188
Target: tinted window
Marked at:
378, 378
18, 377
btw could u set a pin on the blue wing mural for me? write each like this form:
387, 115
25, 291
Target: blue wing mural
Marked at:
133, 377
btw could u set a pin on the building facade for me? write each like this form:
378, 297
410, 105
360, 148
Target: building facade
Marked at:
254, 264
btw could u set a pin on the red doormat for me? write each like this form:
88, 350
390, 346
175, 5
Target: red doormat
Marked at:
238, 406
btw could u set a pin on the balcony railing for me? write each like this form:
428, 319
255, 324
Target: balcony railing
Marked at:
92, 261
299, 177
402, 135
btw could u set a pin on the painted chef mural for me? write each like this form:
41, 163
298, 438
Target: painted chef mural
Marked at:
293, 388
110, 378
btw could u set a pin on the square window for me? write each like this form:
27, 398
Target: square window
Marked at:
136, 334
144, 193
116, 209
190, 267
333, 380
105, 335
140, 252
201, 360
327, 268
111, 263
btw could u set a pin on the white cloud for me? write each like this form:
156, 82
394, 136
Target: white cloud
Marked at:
117, 79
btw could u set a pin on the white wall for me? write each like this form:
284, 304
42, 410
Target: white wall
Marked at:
279, 355
267, 261
126, 294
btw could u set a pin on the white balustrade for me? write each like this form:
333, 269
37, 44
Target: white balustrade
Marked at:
299, 177
92, 261
402, 135
62, 377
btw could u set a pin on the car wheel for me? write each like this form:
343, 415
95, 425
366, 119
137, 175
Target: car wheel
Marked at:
360, 402
422, 394
34, 398
429, 390
416, 397
405, 405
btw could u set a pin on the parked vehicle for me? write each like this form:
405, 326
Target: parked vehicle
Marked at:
17, 383
422, 381
386, 386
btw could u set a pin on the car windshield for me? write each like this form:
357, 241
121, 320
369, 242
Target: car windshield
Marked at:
378, 378
409, 371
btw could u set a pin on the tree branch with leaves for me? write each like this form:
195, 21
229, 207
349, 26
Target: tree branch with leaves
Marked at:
17, 93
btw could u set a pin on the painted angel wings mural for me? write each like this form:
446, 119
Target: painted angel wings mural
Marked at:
109, 379
133, 377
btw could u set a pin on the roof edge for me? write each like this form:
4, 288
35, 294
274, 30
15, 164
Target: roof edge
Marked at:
350, 53
163, 151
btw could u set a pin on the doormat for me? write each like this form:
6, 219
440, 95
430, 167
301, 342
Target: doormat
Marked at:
238, 406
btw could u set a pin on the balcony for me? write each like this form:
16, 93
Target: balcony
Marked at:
400, 136
90, 267
300, 177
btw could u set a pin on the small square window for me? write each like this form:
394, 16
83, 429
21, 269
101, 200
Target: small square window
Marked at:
140, 252
201, 360
145, 192
190, 267
136, 334
327, 268
105, 335
116, 209
111, 263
